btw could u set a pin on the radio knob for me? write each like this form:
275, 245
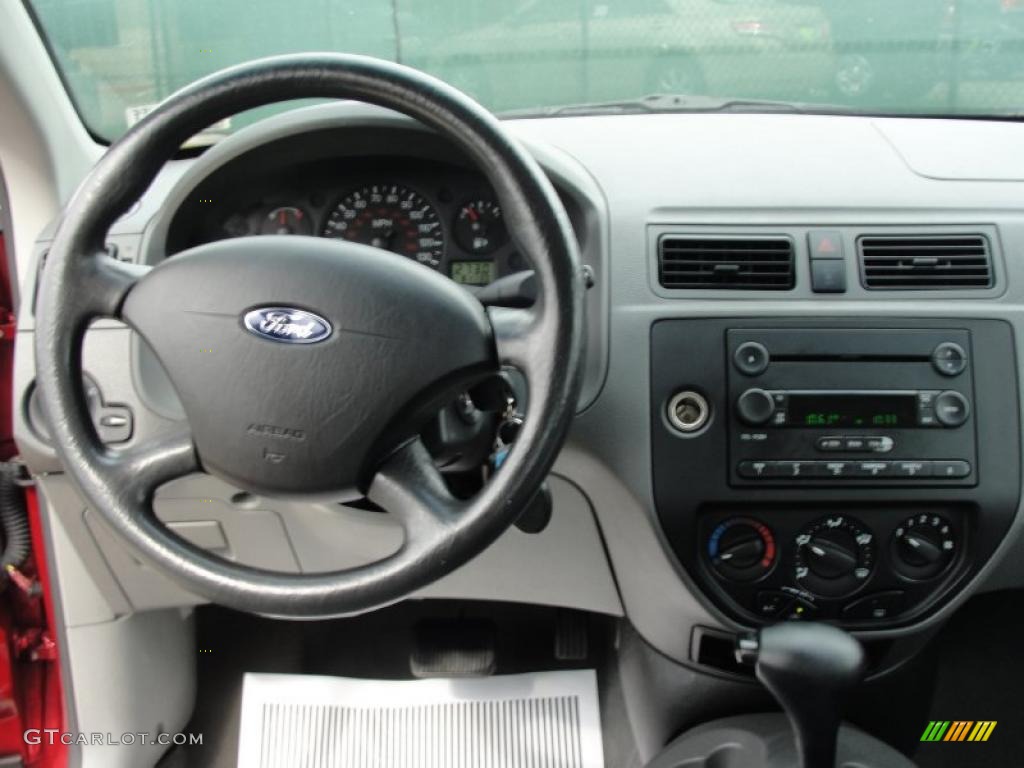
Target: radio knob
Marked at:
755, 407
951, 409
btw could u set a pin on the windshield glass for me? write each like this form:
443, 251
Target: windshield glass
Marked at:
121, 57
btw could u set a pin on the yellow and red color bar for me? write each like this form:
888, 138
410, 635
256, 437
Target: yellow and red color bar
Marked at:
958, 730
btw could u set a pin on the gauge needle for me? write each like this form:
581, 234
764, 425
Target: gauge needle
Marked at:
384, 239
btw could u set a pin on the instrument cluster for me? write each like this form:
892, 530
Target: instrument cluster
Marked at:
445, 218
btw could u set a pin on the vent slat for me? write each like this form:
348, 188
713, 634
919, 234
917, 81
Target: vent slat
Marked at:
696, 266
925, 262
735, 264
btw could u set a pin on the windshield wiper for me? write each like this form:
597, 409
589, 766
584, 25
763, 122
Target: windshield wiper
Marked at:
671, 102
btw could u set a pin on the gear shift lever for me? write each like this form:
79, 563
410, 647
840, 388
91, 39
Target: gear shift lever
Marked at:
809, 668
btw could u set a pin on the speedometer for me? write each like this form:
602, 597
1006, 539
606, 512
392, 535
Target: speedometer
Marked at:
392, 217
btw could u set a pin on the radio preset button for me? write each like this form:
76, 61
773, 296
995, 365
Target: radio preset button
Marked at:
951, 409
874, 468
912, 469
751, 358
834, 469
789, 469
950, 469
949, 359
755, 407
754, 469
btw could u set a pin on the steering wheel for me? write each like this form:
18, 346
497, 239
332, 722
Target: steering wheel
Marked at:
307, 367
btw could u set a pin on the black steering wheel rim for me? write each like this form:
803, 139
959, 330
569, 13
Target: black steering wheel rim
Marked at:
81, 283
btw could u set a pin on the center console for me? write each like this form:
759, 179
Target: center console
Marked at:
852, 472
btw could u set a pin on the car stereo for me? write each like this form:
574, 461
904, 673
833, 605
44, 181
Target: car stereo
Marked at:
863, 406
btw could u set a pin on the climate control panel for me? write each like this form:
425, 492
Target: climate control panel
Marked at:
867, 565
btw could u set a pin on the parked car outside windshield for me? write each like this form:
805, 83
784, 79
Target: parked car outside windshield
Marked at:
119, 58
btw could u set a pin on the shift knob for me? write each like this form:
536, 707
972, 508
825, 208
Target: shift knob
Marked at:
809, 668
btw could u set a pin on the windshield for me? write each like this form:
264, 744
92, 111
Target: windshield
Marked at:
119, 58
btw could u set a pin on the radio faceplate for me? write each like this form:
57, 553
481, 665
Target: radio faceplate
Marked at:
851, 407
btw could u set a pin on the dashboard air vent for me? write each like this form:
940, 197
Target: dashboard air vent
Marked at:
742, 264
925, 262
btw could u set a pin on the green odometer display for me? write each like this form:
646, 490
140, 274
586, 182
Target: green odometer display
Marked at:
853, 411
473, 272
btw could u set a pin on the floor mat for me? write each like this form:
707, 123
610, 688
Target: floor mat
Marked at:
537, 720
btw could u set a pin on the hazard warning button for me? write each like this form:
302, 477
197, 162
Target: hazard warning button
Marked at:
825, 244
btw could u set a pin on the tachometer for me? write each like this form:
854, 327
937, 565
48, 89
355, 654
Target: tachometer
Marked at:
392, 217
287, 220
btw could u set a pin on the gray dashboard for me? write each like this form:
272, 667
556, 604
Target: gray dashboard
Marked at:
630, 179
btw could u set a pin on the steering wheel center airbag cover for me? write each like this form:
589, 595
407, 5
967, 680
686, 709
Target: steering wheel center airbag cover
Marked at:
234, 324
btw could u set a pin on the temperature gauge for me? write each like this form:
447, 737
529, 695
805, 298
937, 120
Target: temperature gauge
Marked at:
480, 228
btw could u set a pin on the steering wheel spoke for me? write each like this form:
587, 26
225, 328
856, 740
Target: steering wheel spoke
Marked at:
142, 469
104, 283
410, 487
516, 336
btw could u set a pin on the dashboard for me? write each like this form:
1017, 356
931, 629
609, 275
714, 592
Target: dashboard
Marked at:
705, 236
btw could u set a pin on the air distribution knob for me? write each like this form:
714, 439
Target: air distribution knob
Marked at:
755, 407
832, 554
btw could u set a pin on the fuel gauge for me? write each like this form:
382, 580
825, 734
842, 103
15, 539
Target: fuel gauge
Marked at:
480, 227
287, 220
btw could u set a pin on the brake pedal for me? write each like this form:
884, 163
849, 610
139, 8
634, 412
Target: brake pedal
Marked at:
453, 648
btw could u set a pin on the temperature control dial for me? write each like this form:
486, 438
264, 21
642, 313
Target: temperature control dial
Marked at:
923, 547
742, 549
834, 556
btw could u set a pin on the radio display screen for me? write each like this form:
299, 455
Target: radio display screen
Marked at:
852, 411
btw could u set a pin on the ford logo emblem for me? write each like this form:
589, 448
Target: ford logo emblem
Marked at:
287, 325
